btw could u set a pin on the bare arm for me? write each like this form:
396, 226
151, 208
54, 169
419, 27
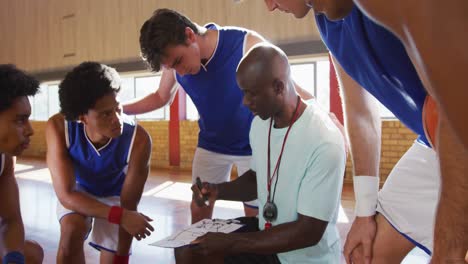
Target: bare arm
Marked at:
10, 213
162, 96
304, 232
241, 189
451, 232
363, 125
138, 170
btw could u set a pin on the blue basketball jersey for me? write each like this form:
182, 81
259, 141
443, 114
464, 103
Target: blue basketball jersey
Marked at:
100, 172
377, 60
224, 121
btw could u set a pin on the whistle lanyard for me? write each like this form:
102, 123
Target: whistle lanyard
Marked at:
276, 171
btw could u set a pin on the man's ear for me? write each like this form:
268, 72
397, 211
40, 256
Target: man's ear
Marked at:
83, 119
190, 35
278, 87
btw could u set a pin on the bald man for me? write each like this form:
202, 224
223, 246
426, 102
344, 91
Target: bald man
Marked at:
305, 154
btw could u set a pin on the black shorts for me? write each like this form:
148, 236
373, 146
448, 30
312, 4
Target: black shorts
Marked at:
250, 225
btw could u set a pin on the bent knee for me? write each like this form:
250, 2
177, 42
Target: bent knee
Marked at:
33, 252
389, 245
73, 231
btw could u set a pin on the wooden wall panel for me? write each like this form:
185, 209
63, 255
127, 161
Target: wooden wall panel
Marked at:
7, 32
35, 35
68, 31
52, 52
23, 33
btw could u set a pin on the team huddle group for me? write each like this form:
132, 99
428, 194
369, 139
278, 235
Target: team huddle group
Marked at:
290, 154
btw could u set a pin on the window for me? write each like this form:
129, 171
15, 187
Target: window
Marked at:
144, 86
313, 75
127, 89
138, 86
323, 84
192, 112
304, 75
45, 103
54, 105
40, 104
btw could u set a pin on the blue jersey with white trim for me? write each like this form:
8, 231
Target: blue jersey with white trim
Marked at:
378, 61
100, 172
224, 121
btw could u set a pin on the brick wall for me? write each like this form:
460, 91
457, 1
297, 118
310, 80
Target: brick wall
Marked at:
396, 139
159, 132
37, 147
188, 143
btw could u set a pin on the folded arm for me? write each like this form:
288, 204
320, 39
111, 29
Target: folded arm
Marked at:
138, 170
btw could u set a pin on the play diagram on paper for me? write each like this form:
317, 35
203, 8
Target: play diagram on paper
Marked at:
198, 229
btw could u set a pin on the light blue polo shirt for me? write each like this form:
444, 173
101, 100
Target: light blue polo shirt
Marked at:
310, 177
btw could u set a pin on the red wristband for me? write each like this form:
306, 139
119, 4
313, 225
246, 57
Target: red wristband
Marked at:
121, 259
115, 214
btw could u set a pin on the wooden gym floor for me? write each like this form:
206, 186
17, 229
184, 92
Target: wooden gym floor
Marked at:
166, 199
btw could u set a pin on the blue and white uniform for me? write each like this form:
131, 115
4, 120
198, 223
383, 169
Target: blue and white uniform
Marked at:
224, 121
100, 173
377, 60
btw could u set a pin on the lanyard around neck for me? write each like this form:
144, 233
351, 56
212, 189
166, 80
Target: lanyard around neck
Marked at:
271, 176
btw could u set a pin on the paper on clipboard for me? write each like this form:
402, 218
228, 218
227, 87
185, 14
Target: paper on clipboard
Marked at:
198, 229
